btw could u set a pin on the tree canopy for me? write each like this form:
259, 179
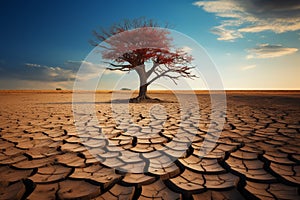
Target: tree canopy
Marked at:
131, 43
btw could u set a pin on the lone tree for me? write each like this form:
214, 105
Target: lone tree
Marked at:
133, 43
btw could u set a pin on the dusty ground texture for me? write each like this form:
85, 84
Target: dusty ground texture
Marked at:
42, 155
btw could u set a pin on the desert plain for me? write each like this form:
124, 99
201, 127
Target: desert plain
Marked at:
153, 152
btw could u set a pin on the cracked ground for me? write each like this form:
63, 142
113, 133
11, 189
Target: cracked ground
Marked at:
44, 156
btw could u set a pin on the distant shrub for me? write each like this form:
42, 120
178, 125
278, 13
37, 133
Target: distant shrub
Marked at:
125, 89
58, 89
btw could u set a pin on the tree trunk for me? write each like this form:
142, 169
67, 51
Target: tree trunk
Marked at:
143, 82
143, 92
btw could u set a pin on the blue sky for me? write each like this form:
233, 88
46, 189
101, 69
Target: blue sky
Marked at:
254, 44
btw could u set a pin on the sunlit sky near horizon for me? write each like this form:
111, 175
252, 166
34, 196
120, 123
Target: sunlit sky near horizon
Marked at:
254, 44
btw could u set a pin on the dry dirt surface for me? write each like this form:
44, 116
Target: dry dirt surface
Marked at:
44, 156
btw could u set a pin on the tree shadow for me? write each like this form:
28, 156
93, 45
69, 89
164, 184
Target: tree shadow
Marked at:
116, 101
137, 101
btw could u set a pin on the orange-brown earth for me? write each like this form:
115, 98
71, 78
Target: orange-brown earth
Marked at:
44, 156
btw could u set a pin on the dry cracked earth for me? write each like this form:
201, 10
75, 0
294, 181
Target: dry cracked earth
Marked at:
153, 153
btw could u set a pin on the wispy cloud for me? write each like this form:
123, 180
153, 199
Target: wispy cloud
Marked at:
269, 51
39, 76
248, 67
226, 34
187, 49
47, 73
71, 70
88, 70
33, 65
241, 16
65, 74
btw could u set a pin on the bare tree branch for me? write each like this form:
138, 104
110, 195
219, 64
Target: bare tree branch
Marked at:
153, 68
119, 67
181, 71
173, 78
157, 77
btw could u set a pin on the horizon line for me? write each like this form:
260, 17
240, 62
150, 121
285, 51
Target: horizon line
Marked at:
135, 91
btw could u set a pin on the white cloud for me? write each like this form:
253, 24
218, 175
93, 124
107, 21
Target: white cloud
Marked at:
253, 16
86, 71
276, 26
116, 72
224, 8
226, 34
32, 65
38, 76
187, 49
47, 73
81, 70
248, 67
269, 51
